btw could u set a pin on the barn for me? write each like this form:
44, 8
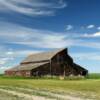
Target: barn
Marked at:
57, 62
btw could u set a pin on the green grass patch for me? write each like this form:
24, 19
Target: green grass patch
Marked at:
89, 76
93, 76
86, 86
45, 77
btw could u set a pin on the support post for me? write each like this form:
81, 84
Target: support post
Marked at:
50, 66
64, 71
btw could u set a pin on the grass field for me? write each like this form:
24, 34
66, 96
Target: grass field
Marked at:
83, 89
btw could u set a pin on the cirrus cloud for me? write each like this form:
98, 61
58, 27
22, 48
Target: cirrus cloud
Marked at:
32, 7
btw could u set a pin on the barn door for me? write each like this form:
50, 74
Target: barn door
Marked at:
62, 69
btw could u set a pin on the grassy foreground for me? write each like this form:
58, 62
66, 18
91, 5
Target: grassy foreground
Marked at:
87, 88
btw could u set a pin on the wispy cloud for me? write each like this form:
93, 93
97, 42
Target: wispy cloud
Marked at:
5, 56
69, 27
32, 7
97, 34
32, 37
15, 34
98, 28
92, 45
90, 26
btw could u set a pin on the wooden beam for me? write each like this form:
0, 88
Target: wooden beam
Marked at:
50, 67
64, 71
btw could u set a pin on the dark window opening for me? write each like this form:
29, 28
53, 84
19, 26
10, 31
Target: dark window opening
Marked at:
84, 73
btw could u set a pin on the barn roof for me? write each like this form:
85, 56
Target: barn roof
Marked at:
27, 66
44, 56
39, 59
78, 67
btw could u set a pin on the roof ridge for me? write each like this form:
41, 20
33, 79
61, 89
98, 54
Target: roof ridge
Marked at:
54, 50
42, 55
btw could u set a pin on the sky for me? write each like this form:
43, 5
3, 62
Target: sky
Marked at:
32, 26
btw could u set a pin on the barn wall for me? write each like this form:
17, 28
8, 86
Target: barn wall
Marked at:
18, 73
61, 69
80, 69
9, 73
62, 57
42, 70
62, 64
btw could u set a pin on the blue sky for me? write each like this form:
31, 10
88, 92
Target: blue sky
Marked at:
31, 26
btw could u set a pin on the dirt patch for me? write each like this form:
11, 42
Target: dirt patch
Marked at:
26, 96
33, 97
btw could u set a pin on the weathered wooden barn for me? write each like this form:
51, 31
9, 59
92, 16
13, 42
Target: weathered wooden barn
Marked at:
56, 62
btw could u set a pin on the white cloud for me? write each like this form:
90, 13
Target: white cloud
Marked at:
4, 60
98, 28
97, 34
90, 26
9, 53
3, 68
69, 27
32, 7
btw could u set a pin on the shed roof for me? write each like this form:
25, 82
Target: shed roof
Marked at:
27, 66
44, 56
78, 67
